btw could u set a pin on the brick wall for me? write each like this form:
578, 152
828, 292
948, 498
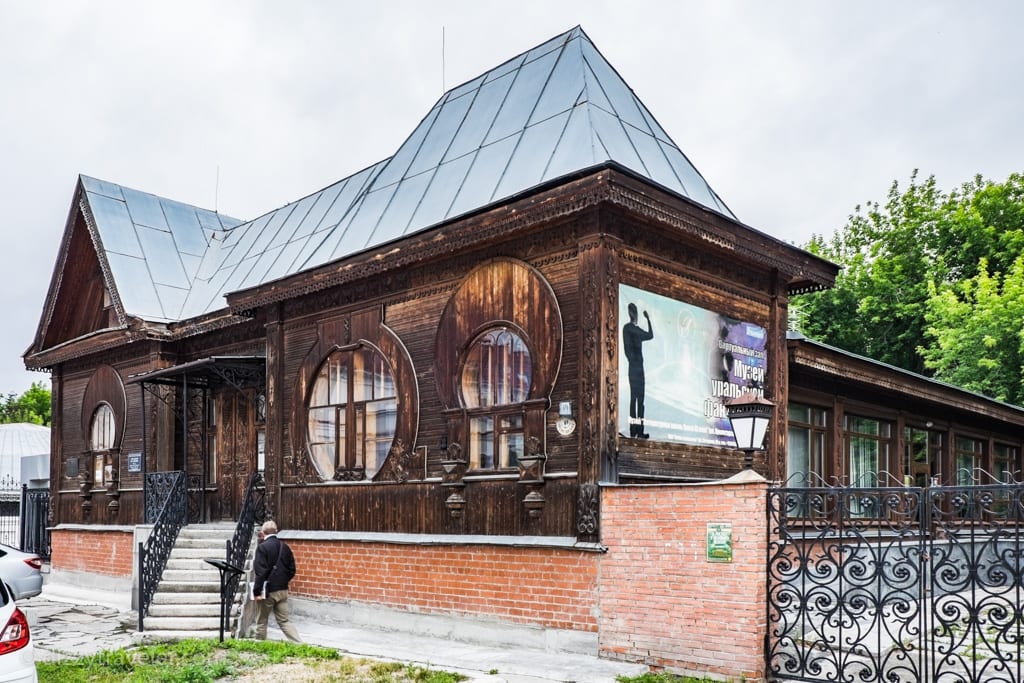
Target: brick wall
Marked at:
661, 602
555, 588
97, 552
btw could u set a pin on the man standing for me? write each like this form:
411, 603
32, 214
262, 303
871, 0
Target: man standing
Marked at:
633, 337
274, 567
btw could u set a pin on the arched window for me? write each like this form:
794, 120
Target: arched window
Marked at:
101, 440
101, 433
495, 380
351, 414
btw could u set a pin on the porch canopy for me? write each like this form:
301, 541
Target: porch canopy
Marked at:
240, 372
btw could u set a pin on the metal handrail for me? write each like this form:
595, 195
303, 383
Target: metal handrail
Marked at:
254, 510
153, 554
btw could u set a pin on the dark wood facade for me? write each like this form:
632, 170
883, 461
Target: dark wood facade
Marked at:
546, 266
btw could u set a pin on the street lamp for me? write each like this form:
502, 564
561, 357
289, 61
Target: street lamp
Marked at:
749, 415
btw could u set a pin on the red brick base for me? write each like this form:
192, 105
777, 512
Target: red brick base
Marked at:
661, 601
96, 551
549, 587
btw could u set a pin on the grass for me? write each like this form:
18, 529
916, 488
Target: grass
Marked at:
205, 661
662, 678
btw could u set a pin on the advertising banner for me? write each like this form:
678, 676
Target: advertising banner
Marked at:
678, 364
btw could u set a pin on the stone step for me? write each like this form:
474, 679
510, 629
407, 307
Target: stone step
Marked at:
165, 636
185, 610
196, 552
190, 610
205, 574
215, 546
189, 564
189, 586
181, 623
185, 598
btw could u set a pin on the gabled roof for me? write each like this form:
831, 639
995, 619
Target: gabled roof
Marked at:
153, 246
550, 112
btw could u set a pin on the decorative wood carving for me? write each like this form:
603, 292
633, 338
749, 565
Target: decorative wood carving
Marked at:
588, 510
396, 466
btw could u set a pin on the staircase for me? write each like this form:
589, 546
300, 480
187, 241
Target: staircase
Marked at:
187, 601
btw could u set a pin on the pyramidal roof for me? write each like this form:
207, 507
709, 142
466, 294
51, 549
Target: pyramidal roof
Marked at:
552, 111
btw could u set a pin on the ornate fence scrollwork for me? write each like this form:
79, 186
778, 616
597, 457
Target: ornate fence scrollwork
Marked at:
153, 554
896, 584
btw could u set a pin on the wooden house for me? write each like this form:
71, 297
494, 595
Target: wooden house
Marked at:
441, 361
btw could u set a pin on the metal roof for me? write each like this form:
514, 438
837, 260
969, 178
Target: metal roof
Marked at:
554, 110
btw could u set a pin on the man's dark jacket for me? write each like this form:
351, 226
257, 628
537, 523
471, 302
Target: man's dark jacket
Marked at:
274, 565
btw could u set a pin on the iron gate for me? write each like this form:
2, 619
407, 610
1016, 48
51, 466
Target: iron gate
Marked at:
899, 585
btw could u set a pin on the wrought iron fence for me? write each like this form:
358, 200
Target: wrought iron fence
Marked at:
896, 584
23, 515
10, 504
35, 509
154, 552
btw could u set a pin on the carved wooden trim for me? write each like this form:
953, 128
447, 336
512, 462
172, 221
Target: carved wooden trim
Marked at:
588, 511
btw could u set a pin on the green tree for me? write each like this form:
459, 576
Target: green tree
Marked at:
32, 406
976, 330
887, 252
930, 282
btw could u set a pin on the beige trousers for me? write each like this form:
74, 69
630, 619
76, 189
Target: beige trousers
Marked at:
276, 602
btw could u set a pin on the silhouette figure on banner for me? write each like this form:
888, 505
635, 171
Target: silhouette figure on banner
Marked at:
633, 337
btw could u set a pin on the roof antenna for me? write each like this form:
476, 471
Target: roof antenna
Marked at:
442, 60
216, 189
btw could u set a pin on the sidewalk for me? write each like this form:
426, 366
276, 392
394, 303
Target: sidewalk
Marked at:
70, 621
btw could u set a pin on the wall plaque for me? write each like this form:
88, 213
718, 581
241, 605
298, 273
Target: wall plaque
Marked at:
719, 542
135, 462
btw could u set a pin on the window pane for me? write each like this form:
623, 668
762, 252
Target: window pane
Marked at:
798, 413
320, 396
102, 431
357, 458
368, 401
798, 456
481, 442
863, 461
321, 425
323, 459
339, 379
497, 370
510, 446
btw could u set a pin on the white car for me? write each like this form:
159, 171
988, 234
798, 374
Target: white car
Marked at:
17, 656
21, 572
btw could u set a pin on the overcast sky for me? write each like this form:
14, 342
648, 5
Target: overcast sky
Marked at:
794, 112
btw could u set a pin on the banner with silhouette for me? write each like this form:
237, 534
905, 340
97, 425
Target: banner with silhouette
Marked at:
678, 363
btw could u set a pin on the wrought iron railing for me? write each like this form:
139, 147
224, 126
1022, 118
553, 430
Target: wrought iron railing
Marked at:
35, 507
254, 511
154, 552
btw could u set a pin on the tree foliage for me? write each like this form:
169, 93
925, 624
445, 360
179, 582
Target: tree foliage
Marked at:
931, 282
32, 406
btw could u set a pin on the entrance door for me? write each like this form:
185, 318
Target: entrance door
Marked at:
235, 449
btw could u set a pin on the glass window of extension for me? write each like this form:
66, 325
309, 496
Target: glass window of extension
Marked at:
805, 446
1006, 460
867, 450
495, 381
351, 414
968, 459
922, 455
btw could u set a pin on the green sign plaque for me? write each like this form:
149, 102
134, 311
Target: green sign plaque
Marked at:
719, 542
